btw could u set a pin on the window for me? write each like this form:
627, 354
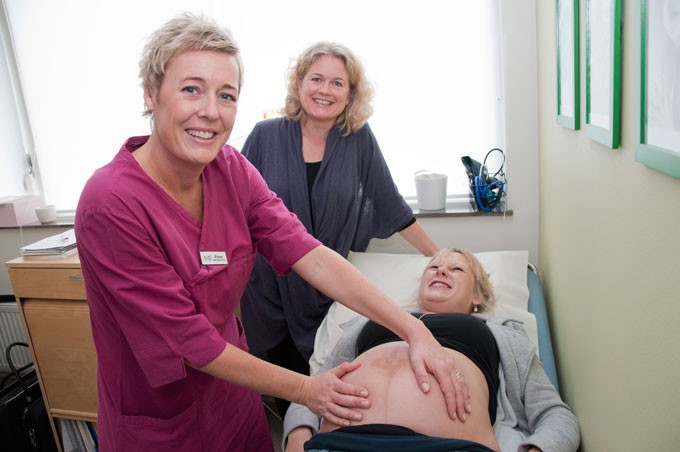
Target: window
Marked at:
16, 170
435, 66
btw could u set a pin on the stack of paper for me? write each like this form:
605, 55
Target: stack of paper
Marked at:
60, 245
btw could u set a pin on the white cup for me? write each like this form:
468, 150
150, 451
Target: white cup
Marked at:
430, 190
46, 214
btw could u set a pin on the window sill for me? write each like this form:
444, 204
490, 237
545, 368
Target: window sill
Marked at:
60, 222
455, 207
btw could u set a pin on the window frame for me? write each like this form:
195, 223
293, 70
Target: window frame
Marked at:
29, 167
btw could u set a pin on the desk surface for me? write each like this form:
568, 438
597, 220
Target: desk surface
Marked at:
60, 262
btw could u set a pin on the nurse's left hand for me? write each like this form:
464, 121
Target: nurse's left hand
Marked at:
429, 358
328, 396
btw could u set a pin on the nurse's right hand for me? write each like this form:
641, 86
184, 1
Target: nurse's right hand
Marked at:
333, 399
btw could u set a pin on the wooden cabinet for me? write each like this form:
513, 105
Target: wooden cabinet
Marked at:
55, 317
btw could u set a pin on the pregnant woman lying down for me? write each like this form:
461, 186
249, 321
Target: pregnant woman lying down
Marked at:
513, 404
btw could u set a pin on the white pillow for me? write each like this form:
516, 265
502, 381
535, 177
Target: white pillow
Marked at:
398, 276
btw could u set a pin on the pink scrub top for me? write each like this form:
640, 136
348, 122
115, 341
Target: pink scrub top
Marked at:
155, 302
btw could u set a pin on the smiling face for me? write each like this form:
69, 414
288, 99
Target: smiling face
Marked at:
448, 285
324, 89
195, 107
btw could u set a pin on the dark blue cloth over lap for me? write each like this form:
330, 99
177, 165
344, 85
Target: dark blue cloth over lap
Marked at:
384, 437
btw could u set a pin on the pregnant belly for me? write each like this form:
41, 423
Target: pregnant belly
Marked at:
396, 399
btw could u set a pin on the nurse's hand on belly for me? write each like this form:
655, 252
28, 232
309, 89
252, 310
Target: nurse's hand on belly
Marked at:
333, 399
428, 357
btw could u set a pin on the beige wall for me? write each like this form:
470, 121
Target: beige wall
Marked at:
610, 254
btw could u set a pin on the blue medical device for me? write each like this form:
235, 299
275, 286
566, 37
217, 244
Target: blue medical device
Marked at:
487, 190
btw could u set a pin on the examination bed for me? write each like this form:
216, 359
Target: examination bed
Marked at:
517, 287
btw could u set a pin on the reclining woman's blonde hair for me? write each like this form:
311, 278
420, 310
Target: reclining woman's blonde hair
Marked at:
483, 287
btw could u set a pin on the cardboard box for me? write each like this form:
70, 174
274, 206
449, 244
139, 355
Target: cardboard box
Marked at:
19, 210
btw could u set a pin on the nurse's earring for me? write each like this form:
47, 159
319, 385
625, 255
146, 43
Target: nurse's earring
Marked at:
475, 308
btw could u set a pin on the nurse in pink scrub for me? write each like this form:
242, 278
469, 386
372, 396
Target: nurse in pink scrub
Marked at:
167, 236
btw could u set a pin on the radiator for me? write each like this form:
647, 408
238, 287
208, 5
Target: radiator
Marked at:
11, 331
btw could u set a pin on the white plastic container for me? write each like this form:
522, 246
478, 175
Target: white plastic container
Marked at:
430, 190
46, 214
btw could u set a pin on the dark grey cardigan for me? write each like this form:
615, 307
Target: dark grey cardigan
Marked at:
353, 200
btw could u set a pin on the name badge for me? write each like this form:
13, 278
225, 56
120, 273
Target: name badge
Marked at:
214, 258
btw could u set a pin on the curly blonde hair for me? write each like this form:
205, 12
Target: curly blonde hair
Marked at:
184, 32
358, 109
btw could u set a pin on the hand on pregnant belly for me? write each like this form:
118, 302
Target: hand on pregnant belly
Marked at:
335, 399
396, 398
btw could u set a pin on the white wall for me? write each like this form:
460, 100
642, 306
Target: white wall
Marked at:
609, 251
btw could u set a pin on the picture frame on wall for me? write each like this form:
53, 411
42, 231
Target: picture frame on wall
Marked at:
659, 145
567, 30
603, 71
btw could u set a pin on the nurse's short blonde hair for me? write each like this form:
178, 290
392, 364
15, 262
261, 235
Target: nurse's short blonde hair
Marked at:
184, 32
